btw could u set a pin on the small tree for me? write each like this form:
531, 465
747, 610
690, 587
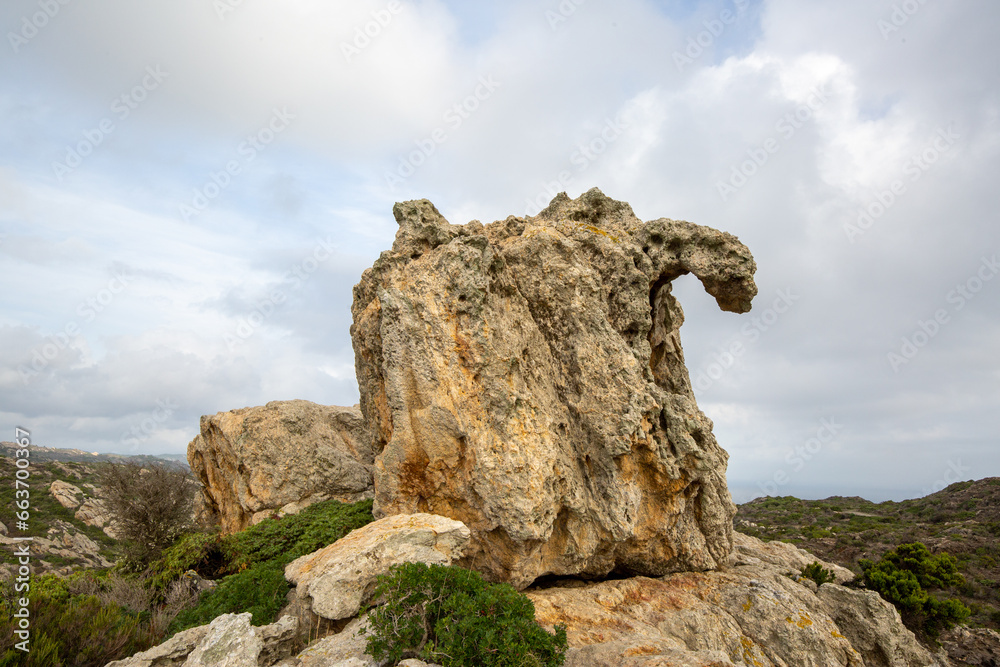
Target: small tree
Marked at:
150, 507
818, 573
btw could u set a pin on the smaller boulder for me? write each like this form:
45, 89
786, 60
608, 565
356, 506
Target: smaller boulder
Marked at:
280, 639
338, 579
170, 653
344, 649
254, 463
69, 496
228, 641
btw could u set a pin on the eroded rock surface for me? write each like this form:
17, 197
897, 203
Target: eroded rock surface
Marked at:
526, 378
975, 647
257, 462
68, 495
62, 544
751, 613
228, 641
749, 550
94, 512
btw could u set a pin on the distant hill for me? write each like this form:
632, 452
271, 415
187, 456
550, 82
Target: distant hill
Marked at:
962, 519
66, 537
80, 456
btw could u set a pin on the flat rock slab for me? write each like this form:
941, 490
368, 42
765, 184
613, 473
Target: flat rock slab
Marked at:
228, 641
337, 580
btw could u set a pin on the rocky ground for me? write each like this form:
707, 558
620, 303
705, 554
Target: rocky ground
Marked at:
756, 610
962, 520
67, 517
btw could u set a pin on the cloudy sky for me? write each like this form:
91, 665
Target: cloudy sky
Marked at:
189, 189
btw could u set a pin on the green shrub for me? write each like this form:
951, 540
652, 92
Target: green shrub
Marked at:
71, 630
939, 571
201, 552
450, 616
256, 558
817, 573
260, 590
813, 531
296, 535
903, 576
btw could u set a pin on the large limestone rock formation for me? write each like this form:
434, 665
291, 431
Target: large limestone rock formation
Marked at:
256, 462
68, 495
526, 378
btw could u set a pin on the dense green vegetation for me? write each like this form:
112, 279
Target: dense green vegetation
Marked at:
70, 627
253, 561
962, 520
905, 575
450, 616
92, 617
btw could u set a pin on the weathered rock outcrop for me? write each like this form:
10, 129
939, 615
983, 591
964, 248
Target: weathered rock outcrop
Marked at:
68, 495
256, 462
526, 378
94, 512
228, 641
749, 550
346, 649
90, 510
338, 579
751, 613
754, 610
61, 544
978, 647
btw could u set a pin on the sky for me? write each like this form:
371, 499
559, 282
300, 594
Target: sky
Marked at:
190, 189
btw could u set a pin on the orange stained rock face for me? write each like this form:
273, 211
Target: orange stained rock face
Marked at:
640, 650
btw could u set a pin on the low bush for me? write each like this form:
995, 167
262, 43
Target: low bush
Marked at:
201, 552
450, 616
260, 590
817, 573
295, 535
